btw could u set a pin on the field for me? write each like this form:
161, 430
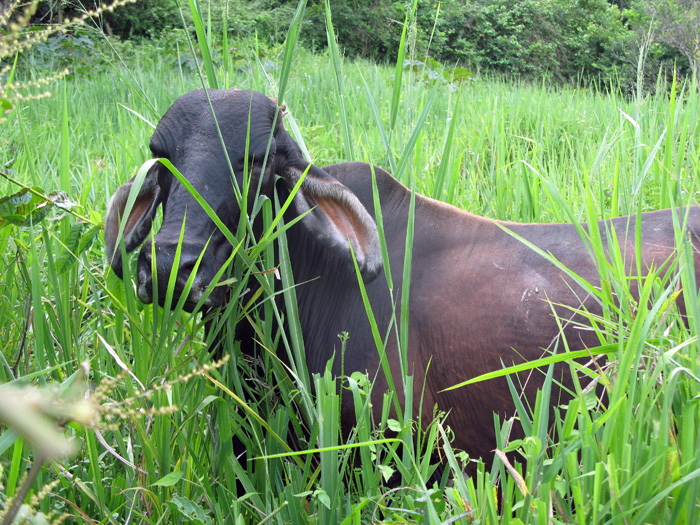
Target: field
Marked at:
162, 449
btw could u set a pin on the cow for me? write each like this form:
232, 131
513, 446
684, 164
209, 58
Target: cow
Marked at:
481, 297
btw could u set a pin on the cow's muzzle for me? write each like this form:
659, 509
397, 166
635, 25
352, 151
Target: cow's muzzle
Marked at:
191, 261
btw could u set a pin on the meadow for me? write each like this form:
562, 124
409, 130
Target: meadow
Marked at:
155, 443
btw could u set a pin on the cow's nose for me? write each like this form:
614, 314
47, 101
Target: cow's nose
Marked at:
164, 262
185, 268
144, 277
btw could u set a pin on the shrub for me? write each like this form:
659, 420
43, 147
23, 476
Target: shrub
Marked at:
145, 18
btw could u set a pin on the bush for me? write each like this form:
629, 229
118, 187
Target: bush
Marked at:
559, 39
563, 40
366, 28
144, 18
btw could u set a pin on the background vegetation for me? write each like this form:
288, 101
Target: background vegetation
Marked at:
569, 41
154, 442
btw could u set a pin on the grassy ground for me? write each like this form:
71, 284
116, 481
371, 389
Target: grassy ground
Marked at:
500, 149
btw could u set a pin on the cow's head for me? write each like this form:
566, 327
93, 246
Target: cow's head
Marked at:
187, 136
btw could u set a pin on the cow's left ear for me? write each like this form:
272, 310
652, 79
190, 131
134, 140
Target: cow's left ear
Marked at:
138, 224
336, 217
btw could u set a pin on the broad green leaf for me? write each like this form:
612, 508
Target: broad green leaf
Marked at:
169, 479
190, 510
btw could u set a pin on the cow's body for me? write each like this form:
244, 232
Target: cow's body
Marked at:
480, 298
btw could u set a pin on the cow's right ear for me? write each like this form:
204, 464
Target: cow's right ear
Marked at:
140, 217
335, 217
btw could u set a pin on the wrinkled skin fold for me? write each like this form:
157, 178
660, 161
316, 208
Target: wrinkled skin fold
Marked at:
479, 297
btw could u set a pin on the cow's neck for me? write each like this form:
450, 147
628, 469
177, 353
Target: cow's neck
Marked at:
325, 284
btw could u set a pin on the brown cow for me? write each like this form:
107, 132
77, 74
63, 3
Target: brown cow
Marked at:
479, 297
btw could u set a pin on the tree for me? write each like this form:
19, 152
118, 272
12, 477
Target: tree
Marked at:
678, 25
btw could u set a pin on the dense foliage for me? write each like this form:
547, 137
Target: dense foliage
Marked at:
565, 40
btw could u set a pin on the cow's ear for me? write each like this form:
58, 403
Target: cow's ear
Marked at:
336, 217
138, 224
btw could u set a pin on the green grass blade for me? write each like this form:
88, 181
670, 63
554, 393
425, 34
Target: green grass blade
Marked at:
396, 97
64, 170
537, 363
339, 91
382, 132
203, 40
410, 145
289, 46
398, 71
438, 187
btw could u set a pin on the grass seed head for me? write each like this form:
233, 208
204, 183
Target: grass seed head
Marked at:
14, 40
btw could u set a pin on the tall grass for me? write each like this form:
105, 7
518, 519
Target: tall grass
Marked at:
506, 150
